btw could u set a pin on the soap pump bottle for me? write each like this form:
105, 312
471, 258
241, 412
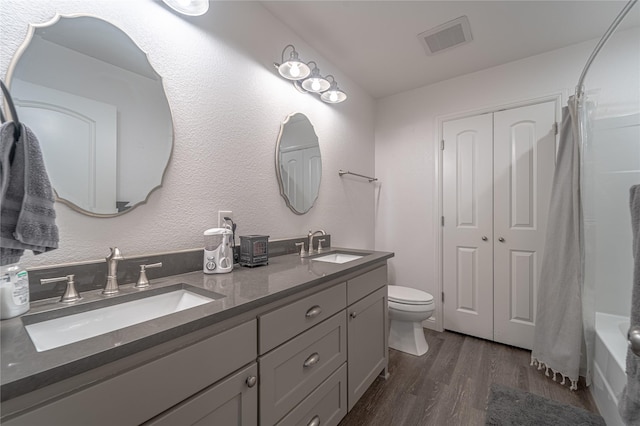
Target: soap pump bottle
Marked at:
14, 291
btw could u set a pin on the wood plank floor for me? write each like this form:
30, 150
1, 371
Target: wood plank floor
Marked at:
449, 386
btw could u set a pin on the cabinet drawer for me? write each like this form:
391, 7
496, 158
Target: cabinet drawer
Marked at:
360, 286
278, 326
289, 373
325, 406
229, 402
144, 392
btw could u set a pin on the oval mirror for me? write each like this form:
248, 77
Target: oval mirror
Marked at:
99, 111
298, 163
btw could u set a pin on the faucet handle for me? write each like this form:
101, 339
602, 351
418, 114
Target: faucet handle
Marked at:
143, 281
320, 241
303, 252
70, 294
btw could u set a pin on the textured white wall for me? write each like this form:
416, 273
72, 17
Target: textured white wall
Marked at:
407, 215
227, 103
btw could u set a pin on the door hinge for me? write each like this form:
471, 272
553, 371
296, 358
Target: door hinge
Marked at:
443, 297
442, 220
555, 128
442, 144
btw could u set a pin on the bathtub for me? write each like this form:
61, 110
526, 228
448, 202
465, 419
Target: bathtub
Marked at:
609, 377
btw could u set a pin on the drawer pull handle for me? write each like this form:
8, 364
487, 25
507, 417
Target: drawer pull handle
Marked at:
312, 360
353, 314
251, 381
314, 311
315, 421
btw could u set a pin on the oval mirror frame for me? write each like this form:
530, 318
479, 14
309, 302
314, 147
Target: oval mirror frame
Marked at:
151, 187
309, 153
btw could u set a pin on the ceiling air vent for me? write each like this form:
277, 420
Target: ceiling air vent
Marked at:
446, 36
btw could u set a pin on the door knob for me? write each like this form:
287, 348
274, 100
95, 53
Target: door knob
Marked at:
501, 239
484, 238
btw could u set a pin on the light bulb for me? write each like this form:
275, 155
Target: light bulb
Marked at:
295, 70
333, 96
315, 85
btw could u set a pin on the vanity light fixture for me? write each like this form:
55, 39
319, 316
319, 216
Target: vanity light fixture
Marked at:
293, 68
189, 7
306, 77
334, 95
315, 82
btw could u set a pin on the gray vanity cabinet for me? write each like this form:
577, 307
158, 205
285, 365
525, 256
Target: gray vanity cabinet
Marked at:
367, 331
319, 354
305, 361
140, 394
232, 401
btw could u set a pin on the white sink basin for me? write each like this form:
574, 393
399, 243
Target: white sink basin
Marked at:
68, 329
337, 258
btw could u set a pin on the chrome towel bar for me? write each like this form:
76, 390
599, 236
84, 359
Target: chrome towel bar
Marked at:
342, 172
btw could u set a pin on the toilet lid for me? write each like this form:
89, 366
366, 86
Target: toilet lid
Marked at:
408, 295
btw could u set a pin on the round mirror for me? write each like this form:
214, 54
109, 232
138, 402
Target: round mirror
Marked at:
99, 111
298, 163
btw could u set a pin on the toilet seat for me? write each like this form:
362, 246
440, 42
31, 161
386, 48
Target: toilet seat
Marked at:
408, 296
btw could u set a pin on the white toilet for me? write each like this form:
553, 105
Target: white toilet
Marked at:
408, 307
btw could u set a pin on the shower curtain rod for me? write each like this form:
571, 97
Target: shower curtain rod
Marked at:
601, 43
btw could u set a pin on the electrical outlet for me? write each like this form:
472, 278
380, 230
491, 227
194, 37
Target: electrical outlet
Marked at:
221, 215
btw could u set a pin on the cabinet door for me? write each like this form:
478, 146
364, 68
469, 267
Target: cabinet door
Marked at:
367, 343
232, 401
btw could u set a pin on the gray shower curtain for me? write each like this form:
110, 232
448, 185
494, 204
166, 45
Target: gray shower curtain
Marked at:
558, 339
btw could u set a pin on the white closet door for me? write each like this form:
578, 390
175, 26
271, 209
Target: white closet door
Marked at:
468, 226
524, 162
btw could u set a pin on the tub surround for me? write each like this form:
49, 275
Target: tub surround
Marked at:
246, 289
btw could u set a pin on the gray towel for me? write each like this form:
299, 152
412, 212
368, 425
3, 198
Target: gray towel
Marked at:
27, 215
629, 404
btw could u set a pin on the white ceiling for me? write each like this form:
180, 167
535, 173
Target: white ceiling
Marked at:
375, 43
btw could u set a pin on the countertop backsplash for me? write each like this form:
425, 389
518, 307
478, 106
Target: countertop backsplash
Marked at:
92, 275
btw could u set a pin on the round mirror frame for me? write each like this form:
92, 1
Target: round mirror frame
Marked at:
12, 67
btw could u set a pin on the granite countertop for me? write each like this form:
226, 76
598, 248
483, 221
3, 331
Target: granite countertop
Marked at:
23, 369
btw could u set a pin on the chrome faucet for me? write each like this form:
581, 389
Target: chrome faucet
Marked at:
112, 274
310, 235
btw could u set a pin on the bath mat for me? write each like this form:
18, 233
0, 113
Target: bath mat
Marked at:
510, 407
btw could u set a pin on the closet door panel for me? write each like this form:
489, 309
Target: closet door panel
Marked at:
467, 232
524, 162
